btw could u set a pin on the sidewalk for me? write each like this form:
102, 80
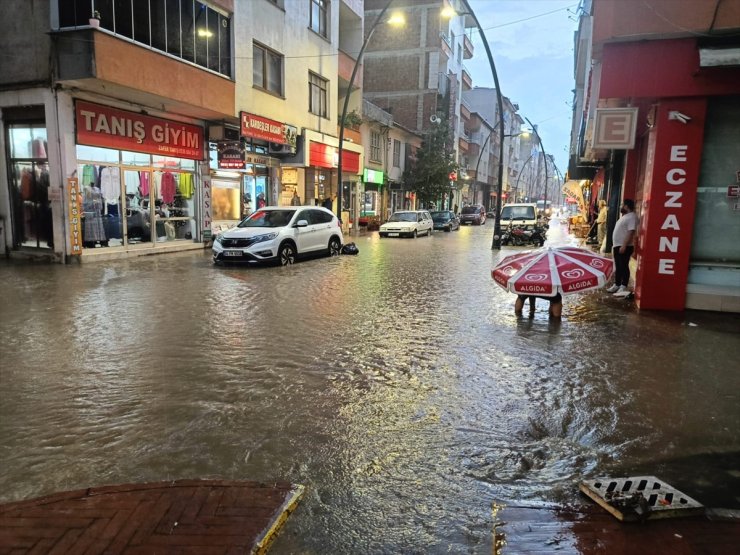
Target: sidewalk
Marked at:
592, 530
185, 516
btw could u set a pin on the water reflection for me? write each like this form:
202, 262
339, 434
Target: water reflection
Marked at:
398, 385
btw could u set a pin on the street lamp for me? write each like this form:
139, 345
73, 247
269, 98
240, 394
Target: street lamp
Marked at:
496, 242
396, 19
539, 139
483, 148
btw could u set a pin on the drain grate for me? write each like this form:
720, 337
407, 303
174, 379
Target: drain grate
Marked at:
640, 498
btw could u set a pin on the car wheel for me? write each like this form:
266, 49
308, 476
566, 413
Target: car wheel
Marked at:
429, 232
286, 254
448, 228
335, 247
415, 234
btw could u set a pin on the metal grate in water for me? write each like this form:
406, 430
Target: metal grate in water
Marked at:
640, 498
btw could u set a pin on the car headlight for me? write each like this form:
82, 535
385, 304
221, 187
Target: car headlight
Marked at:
219, 238
265, 237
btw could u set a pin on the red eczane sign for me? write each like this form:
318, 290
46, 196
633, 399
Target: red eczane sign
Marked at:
103, 126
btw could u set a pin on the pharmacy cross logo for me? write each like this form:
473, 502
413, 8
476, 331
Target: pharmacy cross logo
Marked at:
535, 277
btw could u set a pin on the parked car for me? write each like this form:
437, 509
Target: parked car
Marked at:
523, 214
280, 234
445, 220
473, 214
407, 223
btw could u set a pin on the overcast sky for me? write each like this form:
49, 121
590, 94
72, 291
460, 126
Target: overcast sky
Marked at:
532, 46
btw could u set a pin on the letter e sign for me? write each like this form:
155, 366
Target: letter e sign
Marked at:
614, 128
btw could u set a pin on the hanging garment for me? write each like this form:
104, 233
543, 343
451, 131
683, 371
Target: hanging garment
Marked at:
186, 185
92, 206
144, 184
168, 188
38, 148
157, 185
110, 185
27, 185
132, 180
89, 175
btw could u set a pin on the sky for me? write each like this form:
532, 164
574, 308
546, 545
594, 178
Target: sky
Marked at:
532, 46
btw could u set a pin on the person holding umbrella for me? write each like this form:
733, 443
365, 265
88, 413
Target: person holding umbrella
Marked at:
549, 273
556, 305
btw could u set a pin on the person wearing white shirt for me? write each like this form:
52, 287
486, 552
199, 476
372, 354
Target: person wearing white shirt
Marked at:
623, 246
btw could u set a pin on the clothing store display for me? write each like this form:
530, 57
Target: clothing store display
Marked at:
38, 148
110, 184
131, 180
185, 185
27, 185
168, 188
92, 207
144, 184
89, 175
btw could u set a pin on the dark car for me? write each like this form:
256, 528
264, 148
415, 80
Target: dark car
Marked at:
445, 220
474, 214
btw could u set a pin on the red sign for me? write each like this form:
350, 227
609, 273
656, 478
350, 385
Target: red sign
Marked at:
669, 203
350, 162
108, 127
322, 156
265, 129
231, 155
733, 191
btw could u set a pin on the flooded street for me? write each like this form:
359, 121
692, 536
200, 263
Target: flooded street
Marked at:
397, 385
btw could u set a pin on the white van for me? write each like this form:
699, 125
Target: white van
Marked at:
519, 214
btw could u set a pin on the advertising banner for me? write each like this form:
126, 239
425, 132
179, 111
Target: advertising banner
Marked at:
107, 127
257, 127
75, 216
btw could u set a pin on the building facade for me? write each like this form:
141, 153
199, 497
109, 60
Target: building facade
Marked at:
656, 119
127, 132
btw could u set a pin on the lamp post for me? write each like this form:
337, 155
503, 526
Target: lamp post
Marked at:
482, 150
340, 184
539, 139
496, 242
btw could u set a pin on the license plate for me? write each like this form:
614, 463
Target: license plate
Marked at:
393, 235
232, 253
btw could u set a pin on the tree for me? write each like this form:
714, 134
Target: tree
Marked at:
429, 176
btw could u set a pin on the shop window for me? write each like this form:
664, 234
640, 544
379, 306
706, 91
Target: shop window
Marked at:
267, 69
318, 93
319, 17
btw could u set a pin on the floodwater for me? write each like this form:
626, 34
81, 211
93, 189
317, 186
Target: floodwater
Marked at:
397, 385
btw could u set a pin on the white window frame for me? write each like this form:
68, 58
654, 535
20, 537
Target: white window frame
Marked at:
318, 93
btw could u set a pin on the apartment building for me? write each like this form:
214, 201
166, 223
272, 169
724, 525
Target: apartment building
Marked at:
417, 73
656, 119
147, 127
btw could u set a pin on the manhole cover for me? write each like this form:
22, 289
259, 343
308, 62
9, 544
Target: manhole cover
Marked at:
640, 498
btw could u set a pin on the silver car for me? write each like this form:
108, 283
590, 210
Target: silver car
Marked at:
280, 234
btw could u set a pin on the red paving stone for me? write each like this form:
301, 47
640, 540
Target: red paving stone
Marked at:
185, 516
592, 531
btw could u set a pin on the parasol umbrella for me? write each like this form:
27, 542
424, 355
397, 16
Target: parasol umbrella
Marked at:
547, 271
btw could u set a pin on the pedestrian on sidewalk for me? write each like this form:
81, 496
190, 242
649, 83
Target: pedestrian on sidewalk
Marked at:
601, 223
623, 238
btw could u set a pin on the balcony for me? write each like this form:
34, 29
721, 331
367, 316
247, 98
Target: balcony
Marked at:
445, 45
464, 112
346, 64
97, 61
467, 80
464, 144
467, 48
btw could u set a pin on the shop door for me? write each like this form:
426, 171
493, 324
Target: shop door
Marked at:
29, 191
137, 206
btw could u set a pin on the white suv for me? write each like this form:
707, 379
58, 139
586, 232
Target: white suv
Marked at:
280, 233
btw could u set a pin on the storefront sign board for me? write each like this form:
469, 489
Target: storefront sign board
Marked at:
668, 206
615, 128
98, 125
257, 127
321, 155
206, 210
733, 191
231, 155
75, 216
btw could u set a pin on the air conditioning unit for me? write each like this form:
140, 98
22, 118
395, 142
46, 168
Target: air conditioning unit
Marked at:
279, 148
221, 132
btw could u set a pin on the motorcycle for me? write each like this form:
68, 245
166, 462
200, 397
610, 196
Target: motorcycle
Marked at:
520, 236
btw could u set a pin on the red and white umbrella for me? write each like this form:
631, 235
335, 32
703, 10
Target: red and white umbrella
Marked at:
552, 270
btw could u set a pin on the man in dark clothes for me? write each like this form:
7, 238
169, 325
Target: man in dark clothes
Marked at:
556, 305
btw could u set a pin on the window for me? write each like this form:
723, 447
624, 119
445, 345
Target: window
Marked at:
187, 29
317, 95
375, 147
319, 16
267, 69
396, 153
